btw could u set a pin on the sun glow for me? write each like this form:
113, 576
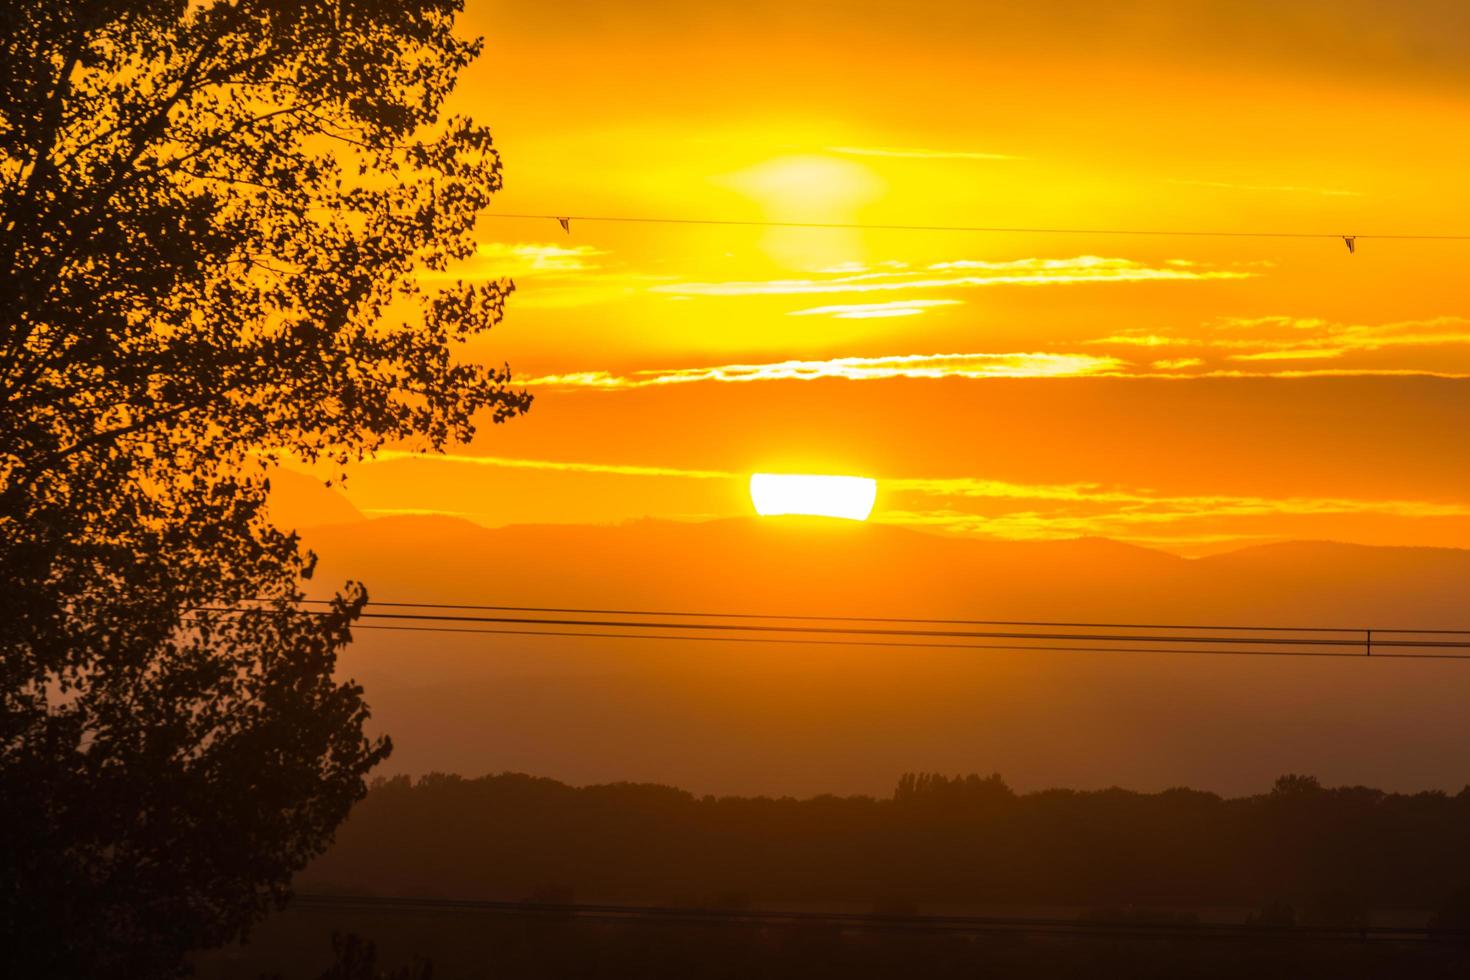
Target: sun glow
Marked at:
849, 497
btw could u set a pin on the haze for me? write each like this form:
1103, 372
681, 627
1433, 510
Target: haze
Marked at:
1190, 395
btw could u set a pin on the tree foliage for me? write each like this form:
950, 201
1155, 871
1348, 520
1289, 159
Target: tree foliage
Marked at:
226, 228
1331, 854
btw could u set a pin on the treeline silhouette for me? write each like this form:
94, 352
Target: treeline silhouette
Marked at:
1298, 854
299, 945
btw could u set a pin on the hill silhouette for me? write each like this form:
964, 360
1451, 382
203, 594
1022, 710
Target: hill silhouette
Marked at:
298, 500
1338, 857
807, 566
754, 718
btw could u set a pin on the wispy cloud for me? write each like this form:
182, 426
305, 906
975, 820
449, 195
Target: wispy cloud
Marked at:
965, 274
1438, 346
1292, 354
559, 466
1268, 188
1008, 365
1137, 340
540, 257
864, 311
994, 508
1274, 320
1041, 526
1117, 504
551, 275
1145, 506
1263, 347
1342, 372
919, 153
522, 260
1009, 509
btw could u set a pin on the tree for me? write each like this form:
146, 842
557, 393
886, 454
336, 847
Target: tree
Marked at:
357, 959
221, 226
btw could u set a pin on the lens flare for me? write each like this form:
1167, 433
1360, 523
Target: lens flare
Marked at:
849, 497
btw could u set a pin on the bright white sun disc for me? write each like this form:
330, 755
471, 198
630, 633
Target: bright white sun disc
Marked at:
850, 497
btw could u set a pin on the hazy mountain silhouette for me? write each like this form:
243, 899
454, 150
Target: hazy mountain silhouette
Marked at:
758, 718
813, 566
298, 500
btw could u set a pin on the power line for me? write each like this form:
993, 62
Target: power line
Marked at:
896, 619
926, 634
652, 914
978, 229
1353, 640
1061, 637
915, 645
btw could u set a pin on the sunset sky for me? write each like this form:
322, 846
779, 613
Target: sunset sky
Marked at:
1194, 394
1189, 393
811, 467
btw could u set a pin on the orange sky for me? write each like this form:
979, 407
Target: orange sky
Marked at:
1250, 389
1193, 394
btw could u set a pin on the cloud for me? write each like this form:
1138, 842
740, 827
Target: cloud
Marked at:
1269, 188
561, 275
551, 276
1008, 509
918, 153
1045, 511
1364, 372
520, 260
1223, 350
1400, 347
1276, 320
929, 366
1115, 504
1139, 340
537, 258
1228, 348
504, 462
964, 274
1145, 506
1293, 354
1036, 526
862, 311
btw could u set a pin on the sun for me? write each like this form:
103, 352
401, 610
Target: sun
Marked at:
849, 497
810, 188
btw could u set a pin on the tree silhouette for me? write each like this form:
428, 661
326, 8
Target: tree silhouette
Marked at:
217, 220
957, 842
357, 959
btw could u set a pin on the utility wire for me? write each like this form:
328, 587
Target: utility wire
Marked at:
919, 645
879, 921
872, 631
1359, 630
926, 634
1394, 644
980, 229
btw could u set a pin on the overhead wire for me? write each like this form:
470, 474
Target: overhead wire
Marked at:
918, 645
566, 219
871, 631
875, 921
891, 619
1050, 637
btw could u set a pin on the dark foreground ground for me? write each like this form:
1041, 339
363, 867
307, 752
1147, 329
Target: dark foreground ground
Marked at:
451, 945
518, 878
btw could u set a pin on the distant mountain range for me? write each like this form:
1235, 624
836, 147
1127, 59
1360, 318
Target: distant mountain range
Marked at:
757, 718
816, 566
